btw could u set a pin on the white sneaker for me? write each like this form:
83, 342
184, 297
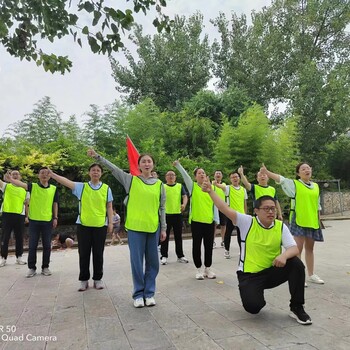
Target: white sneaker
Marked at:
20, 261
2, 262
199, 275
84, 285
139, 302
214, 245
31, 273
208, 273
182, 260
150, 301
98, 284
46, 271
222, 244
227, 254
315, 279
163, 260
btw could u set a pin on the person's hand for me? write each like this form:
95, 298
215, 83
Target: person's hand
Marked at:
7, 176
240, 170
279, 261
162, 235
206, 185
50, 173
54, 223
110, 228
263, 169
176, 162
91, 153
26, 220
183, 206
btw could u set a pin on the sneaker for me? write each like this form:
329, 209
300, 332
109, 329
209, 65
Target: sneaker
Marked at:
84, 285
46, 272
305, 285
209, 273
227, 254
214, 245
139, 302
298, 313
222, 244
315, 279
182, 260
98, 284
31, 273
163, 260
150, 301
2, 262
199, 275
20, 261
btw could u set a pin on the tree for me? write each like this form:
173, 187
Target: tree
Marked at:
22, 23
172, 67
39, 127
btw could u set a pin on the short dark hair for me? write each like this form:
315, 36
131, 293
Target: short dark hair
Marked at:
234, 172
262, 199
43, 168
96, 164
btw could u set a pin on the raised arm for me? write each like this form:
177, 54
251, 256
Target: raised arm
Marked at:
187, 178
219, 203
270, 174
244, 180
8, 178
62, 180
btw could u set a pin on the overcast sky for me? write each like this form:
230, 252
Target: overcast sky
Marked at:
23, 84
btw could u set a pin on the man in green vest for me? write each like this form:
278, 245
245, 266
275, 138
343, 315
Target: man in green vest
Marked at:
13, 216
263, 264
260, 189
175, 204
43, 211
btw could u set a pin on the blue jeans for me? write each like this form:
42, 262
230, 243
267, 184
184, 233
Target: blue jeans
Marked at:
143, 246
37, 228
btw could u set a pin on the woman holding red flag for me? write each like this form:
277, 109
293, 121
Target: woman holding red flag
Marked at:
145, 221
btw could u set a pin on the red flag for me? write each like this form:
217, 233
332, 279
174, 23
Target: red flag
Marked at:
133, 157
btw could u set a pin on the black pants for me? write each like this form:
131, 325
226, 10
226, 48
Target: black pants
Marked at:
91, 239
205, 232
229, 228
173, 221
252, 285
15, 222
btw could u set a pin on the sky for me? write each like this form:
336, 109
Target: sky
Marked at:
23, 84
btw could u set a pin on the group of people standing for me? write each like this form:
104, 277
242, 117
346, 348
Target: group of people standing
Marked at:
153, 208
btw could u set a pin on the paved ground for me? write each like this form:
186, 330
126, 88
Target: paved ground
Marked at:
189, 314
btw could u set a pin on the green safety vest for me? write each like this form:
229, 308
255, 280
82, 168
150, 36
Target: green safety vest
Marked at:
173, 199
143, 206
219, 191
235, 199
93, 205
41, 201
14, 198
260, 191
306, 205
262, 245
202, 206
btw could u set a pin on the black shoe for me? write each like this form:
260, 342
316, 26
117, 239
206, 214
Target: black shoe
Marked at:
300, 315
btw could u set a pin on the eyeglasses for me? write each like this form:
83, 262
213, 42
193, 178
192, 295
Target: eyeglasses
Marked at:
268, 209
170, 175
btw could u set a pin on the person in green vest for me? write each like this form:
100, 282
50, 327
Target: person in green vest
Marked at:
145, 223
94, 220
202, 217
43, 217
263, 264
175, 204
305, 206
14, 213
260, 189
219, 188
236, 198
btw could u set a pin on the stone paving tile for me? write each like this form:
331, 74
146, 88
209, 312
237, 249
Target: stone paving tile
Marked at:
189, 314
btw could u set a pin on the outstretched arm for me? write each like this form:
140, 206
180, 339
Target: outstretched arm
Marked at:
62, 180
220, 204
270, 174
8, 178
244, 180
